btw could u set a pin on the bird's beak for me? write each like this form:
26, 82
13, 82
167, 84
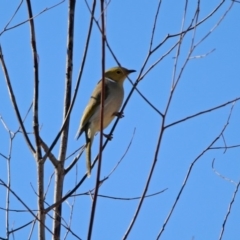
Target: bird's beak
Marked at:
130, 71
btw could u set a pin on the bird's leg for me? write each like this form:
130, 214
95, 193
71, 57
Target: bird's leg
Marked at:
118, 114
108, 136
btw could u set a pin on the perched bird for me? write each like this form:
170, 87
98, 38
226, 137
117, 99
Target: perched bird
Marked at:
91, 118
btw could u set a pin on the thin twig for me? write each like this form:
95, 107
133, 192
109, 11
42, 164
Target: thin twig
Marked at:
226, 147
75, 160
29, 19
220, 175
155, 24
121, 198
216, 25
94, 203
52, 158
19, 228
125, 153
23, 203
203, 55
14, 14
229, 211
202, 112
14, 102
190, 27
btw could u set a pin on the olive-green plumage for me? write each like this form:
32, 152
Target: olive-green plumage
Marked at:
91, 118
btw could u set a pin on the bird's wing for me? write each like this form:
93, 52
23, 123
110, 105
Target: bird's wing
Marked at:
93, 104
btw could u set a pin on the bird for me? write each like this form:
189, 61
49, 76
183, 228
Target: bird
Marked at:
113, 98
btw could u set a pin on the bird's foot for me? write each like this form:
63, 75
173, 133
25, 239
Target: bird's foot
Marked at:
108, 136
118, 114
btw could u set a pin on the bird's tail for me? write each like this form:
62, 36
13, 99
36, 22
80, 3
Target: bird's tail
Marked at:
79, 133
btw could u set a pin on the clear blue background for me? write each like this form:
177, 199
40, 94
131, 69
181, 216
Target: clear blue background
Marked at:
205, 83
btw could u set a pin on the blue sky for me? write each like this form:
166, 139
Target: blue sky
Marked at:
205, 83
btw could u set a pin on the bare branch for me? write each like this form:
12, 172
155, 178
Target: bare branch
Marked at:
203, 55
98, 182
75, 160
59, 176
19, 228
226, 147
78, 80
190, 27
155, 24
38, 153
52, 158
122, 198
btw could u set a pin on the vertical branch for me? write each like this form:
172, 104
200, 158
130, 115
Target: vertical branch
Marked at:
94, 204
71, 106
38, 154
8, 159
59, 171
8, 184
78, 80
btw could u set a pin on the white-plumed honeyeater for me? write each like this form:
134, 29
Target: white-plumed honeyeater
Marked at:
91, 118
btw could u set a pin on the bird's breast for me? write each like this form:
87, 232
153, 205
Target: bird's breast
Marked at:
112, 105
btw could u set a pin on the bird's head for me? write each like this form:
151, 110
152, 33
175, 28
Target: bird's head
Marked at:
118, 74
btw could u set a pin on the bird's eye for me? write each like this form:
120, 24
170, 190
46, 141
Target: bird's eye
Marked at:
118, 72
